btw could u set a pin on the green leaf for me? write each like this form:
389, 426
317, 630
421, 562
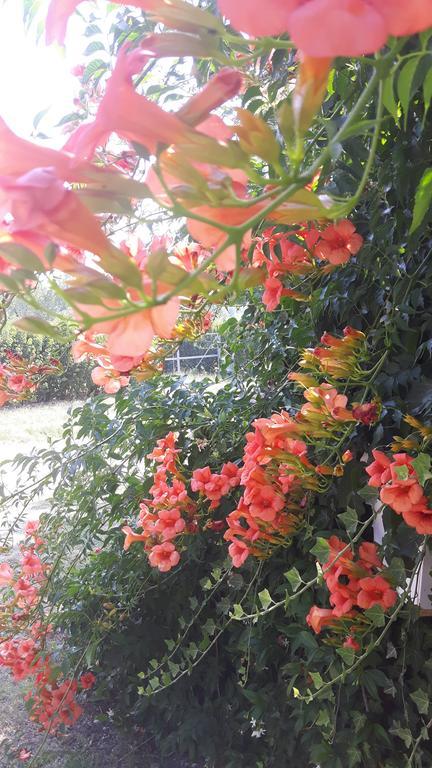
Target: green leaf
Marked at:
238, 611
403, 734
402, 472
421, 700
93, 47
354, 757
427, 91
174, 668
294, 578
210, 627
10, 284
17, 254
423, 200
317, 680
422, 465
376, 615
396, 571
389, 97
33, 324
405, 85
349, 520
368, 493
321, 550
97, 66
347, 655
323, 718
265, 598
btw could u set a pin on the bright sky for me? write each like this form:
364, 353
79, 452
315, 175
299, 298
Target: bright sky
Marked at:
33, 77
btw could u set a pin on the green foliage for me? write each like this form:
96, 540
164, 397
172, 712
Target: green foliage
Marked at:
73, 384
218, 665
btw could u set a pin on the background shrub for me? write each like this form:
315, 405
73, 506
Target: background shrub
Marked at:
73, 384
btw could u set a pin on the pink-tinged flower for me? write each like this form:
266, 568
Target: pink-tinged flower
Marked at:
263, 500
87, 680
338, 243
329, 28
310, 90
78, 70
219, 89
402, 495
31, 563
59, 12
19, 156
26, 592
85, 346
132, 335
31, 527
164, 556
6, 574
374, 590
24, 755
18, 383
123, 111
108, 378
231, 473
369, 555
213, 238
169, 524
379, 470
366, 413
273, 290
39, 202
405, 18
131, 537
238, 552
249, 16
319, 618
332, 28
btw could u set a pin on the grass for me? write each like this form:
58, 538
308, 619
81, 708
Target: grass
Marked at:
31, 425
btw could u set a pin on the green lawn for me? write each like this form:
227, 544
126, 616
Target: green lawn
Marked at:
27, 426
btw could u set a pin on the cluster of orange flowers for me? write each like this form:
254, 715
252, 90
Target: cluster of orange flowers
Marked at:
354, 586
276, 474
52, 698
285, 255
19, 378
401, 490
170, 514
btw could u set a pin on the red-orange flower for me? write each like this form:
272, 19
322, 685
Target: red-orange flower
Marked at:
319, 618
374, 590
379, 470
420, 518
402, 495
338, 243
87, 680
239, 552
164, 556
